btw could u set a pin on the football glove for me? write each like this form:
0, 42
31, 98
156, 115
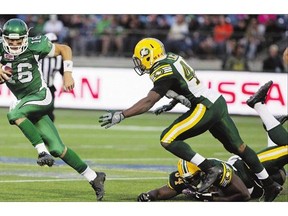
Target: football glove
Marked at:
111, 118
165, 108
144, 197
198, 196
204, 196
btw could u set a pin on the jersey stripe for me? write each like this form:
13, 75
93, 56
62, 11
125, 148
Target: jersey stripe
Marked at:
47, 100
185, 124
273, 153
166, 74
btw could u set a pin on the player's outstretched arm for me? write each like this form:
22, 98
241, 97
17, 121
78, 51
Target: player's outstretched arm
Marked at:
163, 193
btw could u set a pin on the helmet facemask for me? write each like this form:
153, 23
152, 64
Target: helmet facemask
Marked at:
15, 36
15, 49
139, 68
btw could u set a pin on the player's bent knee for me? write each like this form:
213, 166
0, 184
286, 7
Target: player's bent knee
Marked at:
165, 145
57, 152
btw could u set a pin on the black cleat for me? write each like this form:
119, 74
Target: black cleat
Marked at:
260, 95
212, 175
98, 185
282, 118
45, 159
272, 191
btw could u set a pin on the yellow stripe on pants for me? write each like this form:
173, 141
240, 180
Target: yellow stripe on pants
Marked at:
185, 124
273, 154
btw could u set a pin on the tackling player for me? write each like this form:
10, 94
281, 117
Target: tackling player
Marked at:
20, 70
175, 79
273, 158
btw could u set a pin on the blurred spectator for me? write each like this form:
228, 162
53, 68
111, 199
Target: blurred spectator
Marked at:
204, 44
221, 33
229, 50
208, 36
254, 38
178, 40
285, 57
135, 29
75, 24
157, 27
237, 61
239, 30
110, 32
273, 63
53, 25
38, 28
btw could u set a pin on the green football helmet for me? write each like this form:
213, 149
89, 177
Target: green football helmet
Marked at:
15, 29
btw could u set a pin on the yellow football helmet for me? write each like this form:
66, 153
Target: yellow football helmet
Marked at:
189, 172
147, 51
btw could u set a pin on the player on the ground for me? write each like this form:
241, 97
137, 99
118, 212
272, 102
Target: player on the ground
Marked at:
273, 158
175, 79
20, 70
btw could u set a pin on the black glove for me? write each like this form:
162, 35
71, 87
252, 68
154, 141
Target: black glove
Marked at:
144, 197
111, 118
165, 108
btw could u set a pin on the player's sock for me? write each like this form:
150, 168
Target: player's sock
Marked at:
266, 116
252, 160
41, 148
30, 131
264, 177
181, 150
89, 174
74, 161
201, 162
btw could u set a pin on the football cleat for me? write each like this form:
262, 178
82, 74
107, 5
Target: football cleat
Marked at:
212, 175
271, 191
98, 185
260, 95
45, 159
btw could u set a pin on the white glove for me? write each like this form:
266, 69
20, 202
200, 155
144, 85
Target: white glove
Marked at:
111, 118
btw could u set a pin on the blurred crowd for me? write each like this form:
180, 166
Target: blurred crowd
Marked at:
235, 39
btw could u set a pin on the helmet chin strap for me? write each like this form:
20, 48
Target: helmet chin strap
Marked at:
152, 58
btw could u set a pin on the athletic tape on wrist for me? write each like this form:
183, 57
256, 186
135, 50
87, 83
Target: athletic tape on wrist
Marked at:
68, 65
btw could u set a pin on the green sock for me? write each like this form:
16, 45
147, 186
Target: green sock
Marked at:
74, 161
181, 150
30, 131
251, 159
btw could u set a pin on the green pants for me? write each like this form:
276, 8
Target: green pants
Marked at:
35, 108
196, 121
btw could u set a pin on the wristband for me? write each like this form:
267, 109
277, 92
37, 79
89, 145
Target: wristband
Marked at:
68, 65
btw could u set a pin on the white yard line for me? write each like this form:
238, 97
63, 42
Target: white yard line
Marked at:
63, 180
117, 127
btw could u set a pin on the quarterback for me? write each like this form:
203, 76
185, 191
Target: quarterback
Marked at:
174, 78
20, 71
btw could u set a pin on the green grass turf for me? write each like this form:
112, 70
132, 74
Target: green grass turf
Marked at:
129, 153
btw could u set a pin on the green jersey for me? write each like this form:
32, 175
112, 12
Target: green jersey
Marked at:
173, 77
27, 76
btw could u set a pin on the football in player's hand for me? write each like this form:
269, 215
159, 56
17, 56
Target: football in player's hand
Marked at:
7, 69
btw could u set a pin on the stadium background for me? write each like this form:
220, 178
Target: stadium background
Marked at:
129, 153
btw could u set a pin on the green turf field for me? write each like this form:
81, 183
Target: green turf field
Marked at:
129, 153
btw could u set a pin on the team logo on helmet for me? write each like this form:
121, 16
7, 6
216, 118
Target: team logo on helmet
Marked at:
144, 52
